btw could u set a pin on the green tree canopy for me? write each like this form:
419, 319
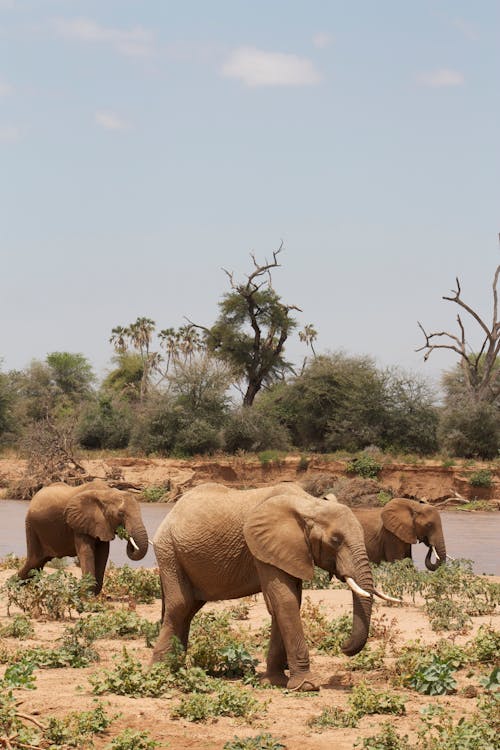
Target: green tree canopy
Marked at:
251, 330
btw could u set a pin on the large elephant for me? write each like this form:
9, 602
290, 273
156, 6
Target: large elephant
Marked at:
221, 543
67, 521
390, 531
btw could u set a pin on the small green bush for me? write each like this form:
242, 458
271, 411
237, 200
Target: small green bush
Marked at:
124, 583
129, 677
227, 701
364, 700
386, 739
260, 742
77, 728
129, 739
364, 466
52, 596
481, 478
20, 627
154, 494
436, 678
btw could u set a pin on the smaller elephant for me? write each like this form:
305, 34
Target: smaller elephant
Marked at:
67, 521
390, 531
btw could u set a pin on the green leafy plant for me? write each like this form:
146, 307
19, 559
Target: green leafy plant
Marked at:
485, 646
213, 644
78, 727
129, 739
259, 742
52, 596
386, 739
320, 580
481, 478
271, 458
436, 678
155, 494
20, 627
11, 562
117, 623
227, 701
439, 731
367, 660
384, 497
125, 583
129, 677
365, 466
333, 717
364, 700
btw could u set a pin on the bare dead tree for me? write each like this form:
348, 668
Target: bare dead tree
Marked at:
480, 371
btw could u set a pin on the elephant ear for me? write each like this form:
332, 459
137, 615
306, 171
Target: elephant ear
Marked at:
84, 513
398, 518
276, 533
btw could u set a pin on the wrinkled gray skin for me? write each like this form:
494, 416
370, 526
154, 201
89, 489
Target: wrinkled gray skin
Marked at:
390, 531
67, 521
220, 543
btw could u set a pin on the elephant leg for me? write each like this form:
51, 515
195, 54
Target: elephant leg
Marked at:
179, 607
101, 558
282, 594
86, 550
32, 563
276, 662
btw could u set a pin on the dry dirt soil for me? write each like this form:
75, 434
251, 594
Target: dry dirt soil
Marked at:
283, 714
422, 479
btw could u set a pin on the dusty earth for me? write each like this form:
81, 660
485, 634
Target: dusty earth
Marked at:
284, 715
421, 479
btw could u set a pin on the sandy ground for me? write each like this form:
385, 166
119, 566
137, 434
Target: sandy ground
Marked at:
283, 714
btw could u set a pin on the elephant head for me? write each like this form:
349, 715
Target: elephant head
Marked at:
294, 533
98, 511
413, 521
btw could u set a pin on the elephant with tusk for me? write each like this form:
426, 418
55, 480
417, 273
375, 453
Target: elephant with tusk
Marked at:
221, 543
390, 531
67, 521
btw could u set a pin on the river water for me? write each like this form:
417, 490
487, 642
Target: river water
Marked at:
473, 536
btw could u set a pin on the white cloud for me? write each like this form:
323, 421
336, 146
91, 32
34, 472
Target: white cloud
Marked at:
322, 39
255, 67
9, 134
5, 88
110, 121
441, 78
467, 29
135, 42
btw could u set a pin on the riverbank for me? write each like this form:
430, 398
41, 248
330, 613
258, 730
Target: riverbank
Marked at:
434, 481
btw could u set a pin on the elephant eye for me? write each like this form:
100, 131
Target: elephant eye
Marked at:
335, 540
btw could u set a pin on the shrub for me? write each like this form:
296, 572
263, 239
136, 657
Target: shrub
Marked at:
119, 623
129, 739
364, 466
364, 700
129, 677
470, 430
259, 742
253, 429
215, 648
386, 739
155, 494
439, 731
52, 596
105, 423
434, 679
485, 646
20, 627
126, 583
227, 701
77, 728
481, 478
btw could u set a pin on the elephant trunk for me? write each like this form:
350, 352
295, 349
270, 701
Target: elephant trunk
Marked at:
137, 549
440, 552
361, 606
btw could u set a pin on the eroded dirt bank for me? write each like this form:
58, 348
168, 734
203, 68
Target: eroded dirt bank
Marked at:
428, 480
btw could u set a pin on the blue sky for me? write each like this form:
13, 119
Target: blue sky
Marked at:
147, 145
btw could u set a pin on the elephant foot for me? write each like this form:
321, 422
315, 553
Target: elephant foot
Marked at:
304, 682
278, 679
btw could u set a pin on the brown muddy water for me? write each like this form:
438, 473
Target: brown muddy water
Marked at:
473, 536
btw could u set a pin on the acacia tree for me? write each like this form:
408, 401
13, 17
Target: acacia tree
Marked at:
480, 373
252, 328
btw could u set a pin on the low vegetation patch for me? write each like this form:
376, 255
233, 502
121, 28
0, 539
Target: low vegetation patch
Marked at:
138, 584
53, 596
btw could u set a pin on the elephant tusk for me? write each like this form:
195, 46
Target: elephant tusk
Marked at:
150, 542
437, 556
357, 589
386, 597
132, 542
